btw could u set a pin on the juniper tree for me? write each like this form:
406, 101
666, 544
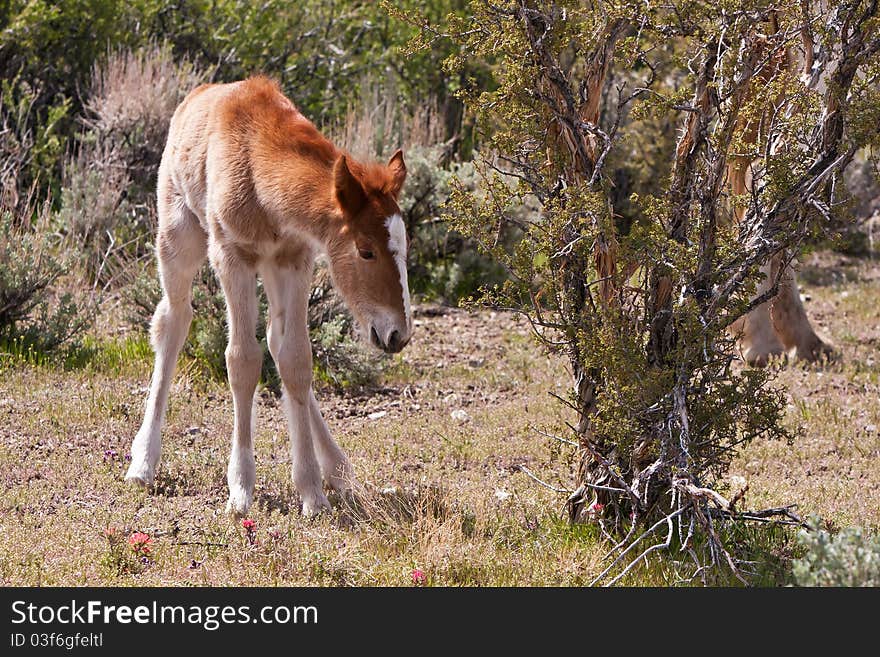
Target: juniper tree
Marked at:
640, 290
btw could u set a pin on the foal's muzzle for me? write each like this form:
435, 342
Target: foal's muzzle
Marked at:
394, 343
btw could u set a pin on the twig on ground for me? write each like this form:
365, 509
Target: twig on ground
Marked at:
534, 478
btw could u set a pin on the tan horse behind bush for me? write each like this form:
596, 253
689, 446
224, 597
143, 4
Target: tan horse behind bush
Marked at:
780, 326
250, 183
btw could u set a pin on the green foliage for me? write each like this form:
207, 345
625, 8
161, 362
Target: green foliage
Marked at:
849, 558
33, 319
442, 263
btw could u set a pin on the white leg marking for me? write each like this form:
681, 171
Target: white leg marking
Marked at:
243, 363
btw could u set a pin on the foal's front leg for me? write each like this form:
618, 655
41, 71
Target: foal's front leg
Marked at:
244, 359
287, 288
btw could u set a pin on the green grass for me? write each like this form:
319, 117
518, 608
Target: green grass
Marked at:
110, 356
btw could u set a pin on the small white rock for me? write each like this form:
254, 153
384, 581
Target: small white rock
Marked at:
460, 415
501, 494
377, 415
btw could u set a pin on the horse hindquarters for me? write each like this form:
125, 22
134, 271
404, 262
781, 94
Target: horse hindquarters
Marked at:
181, 247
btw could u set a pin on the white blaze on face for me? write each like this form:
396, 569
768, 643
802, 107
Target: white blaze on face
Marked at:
397, 247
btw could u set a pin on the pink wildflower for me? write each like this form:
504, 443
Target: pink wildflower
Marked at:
418, 577
140, 543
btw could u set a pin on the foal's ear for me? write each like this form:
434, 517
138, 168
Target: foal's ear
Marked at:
348, 190
397, 168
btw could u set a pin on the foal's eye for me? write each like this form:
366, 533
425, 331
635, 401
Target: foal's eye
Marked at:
366, 254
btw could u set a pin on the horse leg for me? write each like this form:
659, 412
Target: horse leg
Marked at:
244, 359
758, 342
791, 323
287, 286
335, 466
181, 245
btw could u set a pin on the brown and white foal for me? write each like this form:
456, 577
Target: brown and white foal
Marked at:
249, 182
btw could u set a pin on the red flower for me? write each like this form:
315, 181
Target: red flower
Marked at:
249, 525
140, 542
597, 507
418, 577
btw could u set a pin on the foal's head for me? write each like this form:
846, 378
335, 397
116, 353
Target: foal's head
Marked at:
367, 249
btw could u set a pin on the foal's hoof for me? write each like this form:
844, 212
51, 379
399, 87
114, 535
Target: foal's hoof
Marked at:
238, 504
763, 359
316, 506
139, 476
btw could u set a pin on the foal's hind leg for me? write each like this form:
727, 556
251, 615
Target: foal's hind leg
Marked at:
335, 466
180, 246
244, 359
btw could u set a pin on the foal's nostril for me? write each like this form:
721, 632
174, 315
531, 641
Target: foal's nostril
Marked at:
394, 341
374, 337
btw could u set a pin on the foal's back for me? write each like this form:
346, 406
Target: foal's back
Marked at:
241, 156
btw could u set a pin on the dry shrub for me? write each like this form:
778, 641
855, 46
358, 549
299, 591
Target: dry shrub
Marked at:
393, 509
378, 125
35, 317
95, 192
16, 144
31, 143
132, 98
108, 198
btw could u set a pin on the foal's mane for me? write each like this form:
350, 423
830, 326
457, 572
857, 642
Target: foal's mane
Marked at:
290, 129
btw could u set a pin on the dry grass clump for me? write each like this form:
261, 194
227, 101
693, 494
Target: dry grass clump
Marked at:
133, 96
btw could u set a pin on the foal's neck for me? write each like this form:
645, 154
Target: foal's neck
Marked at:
293, 173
